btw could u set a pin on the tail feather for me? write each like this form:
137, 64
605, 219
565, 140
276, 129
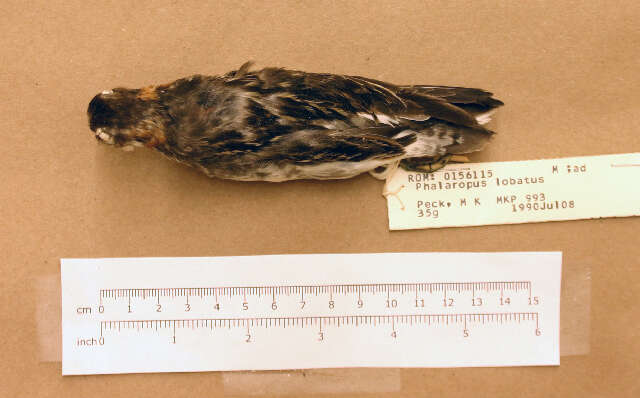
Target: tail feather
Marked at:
484, 118
477, 102
469, 140
459, 95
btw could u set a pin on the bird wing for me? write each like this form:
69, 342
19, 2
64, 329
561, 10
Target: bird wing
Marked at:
313, 98
457, 105
313, 146
344, 117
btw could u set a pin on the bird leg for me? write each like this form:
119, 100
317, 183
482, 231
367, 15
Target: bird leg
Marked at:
386, 192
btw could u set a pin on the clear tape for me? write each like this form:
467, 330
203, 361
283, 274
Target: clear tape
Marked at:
49, 317
313, 381
575, 310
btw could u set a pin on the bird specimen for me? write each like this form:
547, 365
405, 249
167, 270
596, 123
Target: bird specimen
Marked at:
276, 124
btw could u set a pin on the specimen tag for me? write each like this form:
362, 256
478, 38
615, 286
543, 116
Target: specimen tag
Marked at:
516, 192
310, 311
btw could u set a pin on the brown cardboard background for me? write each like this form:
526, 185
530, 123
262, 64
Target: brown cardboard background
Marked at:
568, 72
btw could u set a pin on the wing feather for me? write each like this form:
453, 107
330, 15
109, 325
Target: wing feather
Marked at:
320, 145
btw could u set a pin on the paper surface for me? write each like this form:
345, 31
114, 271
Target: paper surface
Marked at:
568, 76
310, 311
517, 192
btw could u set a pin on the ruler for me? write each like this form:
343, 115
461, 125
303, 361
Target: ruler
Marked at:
310, 311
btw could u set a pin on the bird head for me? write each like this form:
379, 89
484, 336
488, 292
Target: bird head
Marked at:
127, 117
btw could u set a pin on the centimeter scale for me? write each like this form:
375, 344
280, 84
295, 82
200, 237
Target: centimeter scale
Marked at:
310, 311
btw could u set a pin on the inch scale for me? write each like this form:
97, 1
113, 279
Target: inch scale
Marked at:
451, 317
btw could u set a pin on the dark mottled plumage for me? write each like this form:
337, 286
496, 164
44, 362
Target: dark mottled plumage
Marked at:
276, 124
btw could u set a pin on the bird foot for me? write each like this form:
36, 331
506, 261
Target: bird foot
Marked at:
388, 192
436, 165
433, 164
459, 159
